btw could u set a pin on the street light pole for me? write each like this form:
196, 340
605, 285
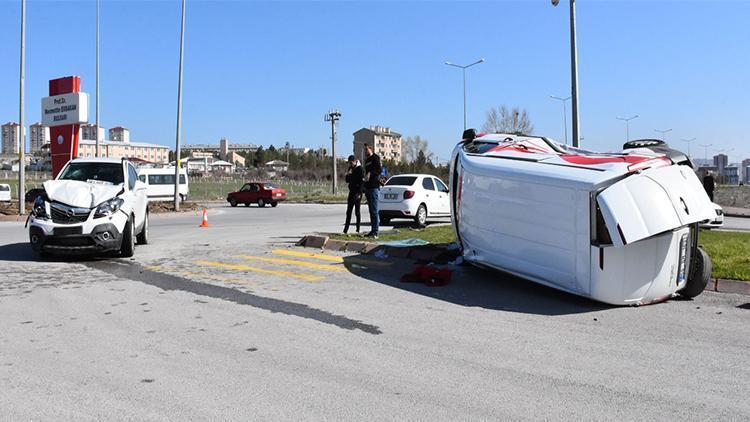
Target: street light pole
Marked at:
565, 114
333, 116
21, 137
663, 133
688, 142
573, 71
463, 72
179, 115
705, 150
97, 79
627, 125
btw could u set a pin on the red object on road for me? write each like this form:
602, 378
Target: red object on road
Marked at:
428, 275
257, 193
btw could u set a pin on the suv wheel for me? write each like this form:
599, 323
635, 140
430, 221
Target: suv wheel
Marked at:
128, 239
143, 235
261, 203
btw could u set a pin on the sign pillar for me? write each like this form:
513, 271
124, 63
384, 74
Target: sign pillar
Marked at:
63, 111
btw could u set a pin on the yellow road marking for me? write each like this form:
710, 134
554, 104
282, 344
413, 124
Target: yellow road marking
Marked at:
325, 267
241, 267
332, 258
299, 254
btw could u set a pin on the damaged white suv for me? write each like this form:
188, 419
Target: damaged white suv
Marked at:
94, 205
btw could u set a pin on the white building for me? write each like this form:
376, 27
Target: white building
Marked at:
141, 150
119, 134
38, 137
11, 138
88, 131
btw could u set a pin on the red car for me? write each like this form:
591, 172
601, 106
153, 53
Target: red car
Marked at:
258, 193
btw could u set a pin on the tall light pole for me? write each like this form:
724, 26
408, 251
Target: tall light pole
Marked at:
21, 137
97, 79
333, 116
627, 125
565, 114
688, 142
705, 151
663, 133
573, 70
179, 115
463, 73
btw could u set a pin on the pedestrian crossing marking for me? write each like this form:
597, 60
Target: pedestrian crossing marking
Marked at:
324, 267
242, 267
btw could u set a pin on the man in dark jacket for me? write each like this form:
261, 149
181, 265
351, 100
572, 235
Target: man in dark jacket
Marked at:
709, 184
372, 188
355, 177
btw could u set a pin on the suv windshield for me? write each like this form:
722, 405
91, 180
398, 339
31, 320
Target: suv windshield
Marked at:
401, 181
94, 172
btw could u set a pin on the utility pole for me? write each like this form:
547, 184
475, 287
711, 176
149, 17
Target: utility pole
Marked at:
688, 142
463, 72
97, 79
179, 115
565, 114
573, 71
333, 116
627, 125
21, 137
705, 151
287, 152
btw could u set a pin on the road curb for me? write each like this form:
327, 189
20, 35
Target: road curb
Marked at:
723, 285
428, 253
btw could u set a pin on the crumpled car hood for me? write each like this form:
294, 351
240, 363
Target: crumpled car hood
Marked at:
80, 194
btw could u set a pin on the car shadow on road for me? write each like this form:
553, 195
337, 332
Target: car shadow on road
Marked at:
22, 252
475, 287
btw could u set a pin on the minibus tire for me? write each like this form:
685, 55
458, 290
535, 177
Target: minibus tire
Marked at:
699, 278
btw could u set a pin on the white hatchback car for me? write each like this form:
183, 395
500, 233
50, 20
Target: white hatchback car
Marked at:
94, 205
414, 196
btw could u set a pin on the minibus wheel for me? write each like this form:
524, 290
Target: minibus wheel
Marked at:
699, 277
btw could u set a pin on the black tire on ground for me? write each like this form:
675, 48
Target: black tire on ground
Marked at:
261, 203
247, 204
128, 239
699, 278
232, 202
274, 204
421, 218
385, 220
142, 237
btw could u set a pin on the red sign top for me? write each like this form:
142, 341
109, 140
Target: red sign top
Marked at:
66, 85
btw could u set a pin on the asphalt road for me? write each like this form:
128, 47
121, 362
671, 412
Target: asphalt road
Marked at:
233, 323
736, 224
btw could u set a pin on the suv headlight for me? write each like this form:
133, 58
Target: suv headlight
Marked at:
107, 208
39, 210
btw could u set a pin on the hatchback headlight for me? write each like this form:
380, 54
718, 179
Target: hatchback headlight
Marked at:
107, 208
39, 210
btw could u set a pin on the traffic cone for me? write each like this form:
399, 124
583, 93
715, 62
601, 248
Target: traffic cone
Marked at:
204, 223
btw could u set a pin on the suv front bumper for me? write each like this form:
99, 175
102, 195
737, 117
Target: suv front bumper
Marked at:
93, 236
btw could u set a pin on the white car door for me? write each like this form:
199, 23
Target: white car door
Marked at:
442, 204
139, 197
430, 195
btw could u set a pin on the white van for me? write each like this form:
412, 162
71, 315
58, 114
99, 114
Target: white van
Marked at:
4, 192
160, 183
620, 228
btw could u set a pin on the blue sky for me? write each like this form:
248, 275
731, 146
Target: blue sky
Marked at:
266, 72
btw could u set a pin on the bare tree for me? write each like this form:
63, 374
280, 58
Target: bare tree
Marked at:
503, 120
410, 148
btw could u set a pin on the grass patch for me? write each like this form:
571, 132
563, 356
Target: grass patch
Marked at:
432, 234
729, 252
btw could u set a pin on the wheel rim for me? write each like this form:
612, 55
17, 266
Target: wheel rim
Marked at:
261, 203
422, 216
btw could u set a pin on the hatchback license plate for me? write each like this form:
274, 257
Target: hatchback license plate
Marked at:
391, 196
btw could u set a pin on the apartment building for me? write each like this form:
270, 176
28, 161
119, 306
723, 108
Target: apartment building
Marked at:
386, 143
38, 137
88, 131
10, 138
119, 134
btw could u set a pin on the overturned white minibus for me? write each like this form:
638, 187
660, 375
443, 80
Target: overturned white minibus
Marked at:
620, 228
